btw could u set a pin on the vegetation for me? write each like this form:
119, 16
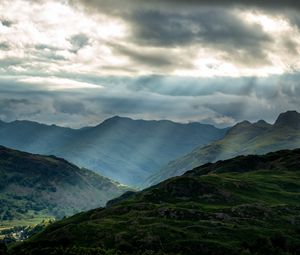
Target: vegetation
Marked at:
21, 233
245, 205
34, 187
242, 139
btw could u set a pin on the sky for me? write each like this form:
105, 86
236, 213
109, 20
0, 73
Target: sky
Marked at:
77, 62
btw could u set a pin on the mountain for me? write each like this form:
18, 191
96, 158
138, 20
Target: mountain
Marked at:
33, 187
245, 205
242, 139
120, 148
288, 119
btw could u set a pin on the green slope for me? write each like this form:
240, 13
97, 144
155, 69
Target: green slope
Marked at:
245, 205
34, 187
242, 139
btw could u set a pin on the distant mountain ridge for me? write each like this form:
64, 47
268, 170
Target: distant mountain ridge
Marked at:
242, 139
35, 186
120, 148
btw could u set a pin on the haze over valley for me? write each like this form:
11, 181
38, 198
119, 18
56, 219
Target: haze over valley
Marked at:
141, 127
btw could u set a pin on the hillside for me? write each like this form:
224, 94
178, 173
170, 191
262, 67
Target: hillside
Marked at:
120, 148
243, 139
34, 187
245, 205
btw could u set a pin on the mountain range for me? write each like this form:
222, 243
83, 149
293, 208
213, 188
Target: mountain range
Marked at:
245, 205
120, 148
242, 139
34, 187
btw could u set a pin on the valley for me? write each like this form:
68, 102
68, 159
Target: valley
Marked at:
227, 204
242, 139
244, 205
35, 187
122, 149
160, 127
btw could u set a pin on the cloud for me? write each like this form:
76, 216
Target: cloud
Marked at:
215, 28
149, 58
222, 40
71, 107
149, 38
54, 83
4, 46
193, 87
14, 108
10, 61
6, 23
155, 58
223, 103
48, 55
115, 5
78, 62
79, 41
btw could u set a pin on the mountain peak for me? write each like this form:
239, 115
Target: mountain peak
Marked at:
242, 124
114, 119
289, 118
262, 123
240, 127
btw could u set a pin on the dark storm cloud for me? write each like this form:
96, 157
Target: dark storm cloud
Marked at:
203, 23
70, 107
160, 37
4, 46
291, 46
293, 16
217, 101
217, 28
6, 23
155, 58
142, 57
202, 38
115, 5
79, 41
259, 3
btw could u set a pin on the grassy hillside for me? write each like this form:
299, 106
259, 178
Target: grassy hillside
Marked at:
120, 148
245, 205
35, 187
242, 139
